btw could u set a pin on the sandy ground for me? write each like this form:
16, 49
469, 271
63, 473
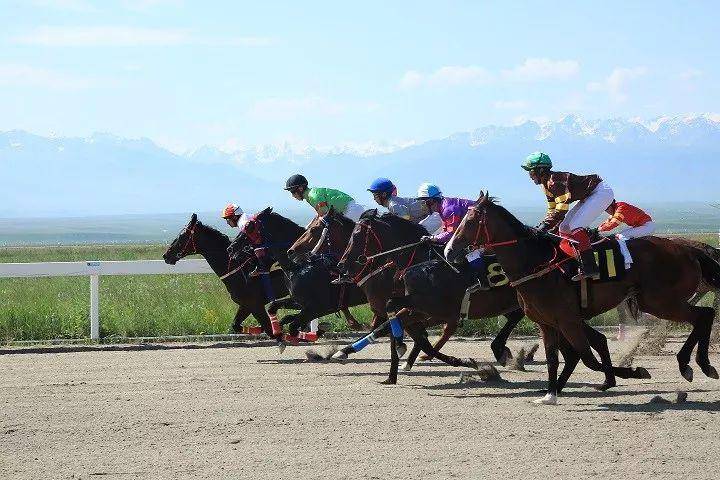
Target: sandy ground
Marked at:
249, 413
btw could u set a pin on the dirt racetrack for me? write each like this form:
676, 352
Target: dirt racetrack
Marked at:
249, 413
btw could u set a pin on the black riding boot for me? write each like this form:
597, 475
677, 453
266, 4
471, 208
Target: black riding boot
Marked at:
588, 266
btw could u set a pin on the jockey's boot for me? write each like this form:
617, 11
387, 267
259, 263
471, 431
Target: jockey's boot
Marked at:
588, 266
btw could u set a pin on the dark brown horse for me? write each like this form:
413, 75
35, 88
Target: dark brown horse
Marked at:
385, 277
664, 276
247, 292
311, 292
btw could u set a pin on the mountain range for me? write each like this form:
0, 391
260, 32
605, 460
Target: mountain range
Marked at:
668, 159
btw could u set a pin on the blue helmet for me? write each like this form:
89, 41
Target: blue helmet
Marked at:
382, 185
429, 190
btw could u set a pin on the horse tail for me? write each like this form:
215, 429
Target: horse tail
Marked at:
709, 266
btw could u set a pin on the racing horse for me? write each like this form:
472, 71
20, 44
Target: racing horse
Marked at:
247, 292
664, 276
308, 282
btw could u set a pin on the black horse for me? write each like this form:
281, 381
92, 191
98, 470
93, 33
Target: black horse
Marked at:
308, 282
247, 292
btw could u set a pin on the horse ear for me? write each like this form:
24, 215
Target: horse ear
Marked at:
193, 220
267, 211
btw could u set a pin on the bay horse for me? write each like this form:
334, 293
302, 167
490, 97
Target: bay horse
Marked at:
200, 239
664, 276
386, 277
308, 282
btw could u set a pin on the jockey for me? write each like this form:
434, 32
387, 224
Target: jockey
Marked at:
321, 199
385, 194
452, 211
640, 223
234, 216
561, 189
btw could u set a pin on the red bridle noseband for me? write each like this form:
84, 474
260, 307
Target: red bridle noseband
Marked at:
190, 241
482, 225
366, 264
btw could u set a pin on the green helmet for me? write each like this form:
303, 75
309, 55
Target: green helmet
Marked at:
537, 160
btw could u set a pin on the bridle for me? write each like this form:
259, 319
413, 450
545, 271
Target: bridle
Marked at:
184, 252
362, 259
540, 271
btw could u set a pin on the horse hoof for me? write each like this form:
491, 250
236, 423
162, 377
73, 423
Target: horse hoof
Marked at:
687, 373
642, 372
281, 347
339, 356
503, 357
710, 371
388, 382
603, 387
401, 349
472, 363
425, 358
407, 366
548, 399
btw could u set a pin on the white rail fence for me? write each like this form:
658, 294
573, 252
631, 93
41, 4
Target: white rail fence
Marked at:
94, 269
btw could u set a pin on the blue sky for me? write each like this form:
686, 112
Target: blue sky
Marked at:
325, 73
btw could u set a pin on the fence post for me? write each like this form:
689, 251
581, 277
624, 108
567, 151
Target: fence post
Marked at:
95, 307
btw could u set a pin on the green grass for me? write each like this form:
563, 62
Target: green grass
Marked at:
145, 305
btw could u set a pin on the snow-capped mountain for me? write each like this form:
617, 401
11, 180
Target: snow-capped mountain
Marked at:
662, 159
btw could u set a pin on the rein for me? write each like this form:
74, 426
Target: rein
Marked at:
551, 265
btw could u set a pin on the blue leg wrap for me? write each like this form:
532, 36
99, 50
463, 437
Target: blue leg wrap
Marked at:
396, 328
363, 342
267, 286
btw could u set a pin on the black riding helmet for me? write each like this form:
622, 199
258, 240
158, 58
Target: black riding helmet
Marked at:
295, 181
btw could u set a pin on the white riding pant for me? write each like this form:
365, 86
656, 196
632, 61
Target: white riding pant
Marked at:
432, 223
353, 211
640, 231
583, 213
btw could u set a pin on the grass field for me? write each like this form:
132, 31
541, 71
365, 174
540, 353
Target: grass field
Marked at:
150, 305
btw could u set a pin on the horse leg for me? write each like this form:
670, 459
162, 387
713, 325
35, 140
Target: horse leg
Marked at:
449, 330
426, 347
704, 323
698, 319
598, 342
498, 345
240, 316
574, 332
571, 360
351, 320
550, 340
394, 363
407, 366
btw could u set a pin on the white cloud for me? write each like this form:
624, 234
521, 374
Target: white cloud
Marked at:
311, 106
616, 83
691, 74
534, 69
411, 79
28, 76
447, 76
510, 104
121, 36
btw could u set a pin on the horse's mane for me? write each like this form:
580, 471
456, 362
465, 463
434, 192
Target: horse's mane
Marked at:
284, 221
213, 233
518, 227
394, 222
402, 225
345, 221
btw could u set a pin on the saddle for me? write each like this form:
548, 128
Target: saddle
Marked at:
608, 257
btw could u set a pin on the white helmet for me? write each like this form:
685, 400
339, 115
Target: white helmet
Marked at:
429, 190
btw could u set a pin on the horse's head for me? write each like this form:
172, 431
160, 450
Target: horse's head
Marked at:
184, 244
364, 242
485, 225
329, 232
